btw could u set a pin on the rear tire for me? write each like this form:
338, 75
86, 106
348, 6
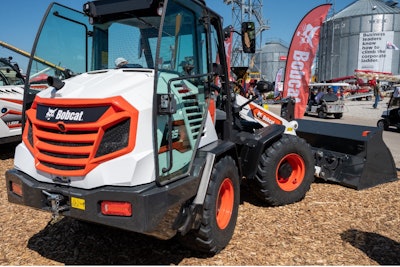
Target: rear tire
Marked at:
338, 115
220, 210
285, 171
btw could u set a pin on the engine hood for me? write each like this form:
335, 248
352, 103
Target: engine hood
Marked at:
105, 83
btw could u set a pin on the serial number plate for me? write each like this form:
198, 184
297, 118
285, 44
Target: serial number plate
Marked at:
78, 203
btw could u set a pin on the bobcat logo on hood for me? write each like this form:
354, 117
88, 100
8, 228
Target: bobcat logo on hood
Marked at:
50, 113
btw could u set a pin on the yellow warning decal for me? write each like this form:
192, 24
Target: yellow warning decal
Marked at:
78, 203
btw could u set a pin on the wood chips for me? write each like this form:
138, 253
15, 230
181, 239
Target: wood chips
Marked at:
333, 225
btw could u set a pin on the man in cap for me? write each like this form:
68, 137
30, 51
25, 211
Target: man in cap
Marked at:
120, 62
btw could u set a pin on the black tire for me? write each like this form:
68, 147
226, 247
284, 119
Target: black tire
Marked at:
369, 98
220, 210
285, 171
338, 115
322, 114
383, 124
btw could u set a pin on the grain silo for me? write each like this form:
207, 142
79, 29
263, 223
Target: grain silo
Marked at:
361, 36
270, 59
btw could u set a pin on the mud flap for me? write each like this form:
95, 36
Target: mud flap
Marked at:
351, 155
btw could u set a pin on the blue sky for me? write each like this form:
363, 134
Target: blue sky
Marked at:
21, 19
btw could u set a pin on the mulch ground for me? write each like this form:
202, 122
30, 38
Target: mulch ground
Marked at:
333, 225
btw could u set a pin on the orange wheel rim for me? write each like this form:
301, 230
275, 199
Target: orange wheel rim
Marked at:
226, 196
290, 172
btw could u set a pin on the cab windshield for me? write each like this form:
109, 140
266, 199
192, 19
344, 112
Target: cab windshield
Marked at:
68, 44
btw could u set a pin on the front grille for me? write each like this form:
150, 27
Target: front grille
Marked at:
73, 149
71, 144
65, 156
114, 138
62, 167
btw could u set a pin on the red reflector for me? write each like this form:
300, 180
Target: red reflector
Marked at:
16, 188
365, 133
116, 208
183, 91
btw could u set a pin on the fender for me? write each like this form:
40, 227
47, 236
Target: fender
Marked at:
212, 153
206, 157
254, 146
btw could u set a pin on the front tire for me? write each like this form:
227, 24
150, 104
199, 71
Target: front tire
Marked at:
383, 124
285, 171
322, 113
220, 210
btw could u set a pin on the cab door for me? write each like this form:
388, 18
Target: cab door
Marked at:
181, 78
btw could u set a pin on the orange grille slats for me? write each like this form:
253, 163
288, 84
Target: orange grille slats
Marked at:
54, 148
67, 138
70, 147
61, 161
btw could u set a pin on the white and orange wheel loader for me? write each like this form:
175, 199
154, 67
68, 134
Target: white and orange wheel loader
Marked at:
152, 147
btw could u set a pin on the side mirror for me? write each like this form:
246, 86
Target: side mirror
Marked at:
248, 37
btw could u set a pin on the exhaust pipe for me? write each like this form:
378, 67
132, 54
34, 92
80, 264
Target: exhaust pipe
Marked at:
350, 155
55, 82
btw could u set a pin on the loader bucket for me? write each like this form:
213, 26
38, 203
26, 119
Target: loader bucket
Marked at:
351, 155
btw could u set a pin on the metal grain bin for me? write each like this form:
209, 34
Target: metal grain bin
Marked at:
270, 59
359, 37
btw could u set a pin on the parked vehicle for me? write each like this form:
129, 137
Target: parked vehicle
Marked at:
328, 104
391, 116
12, 92
11, 98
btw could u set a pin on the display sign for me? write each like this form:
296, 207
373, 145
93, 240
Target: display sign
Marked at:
374, 51
301, 55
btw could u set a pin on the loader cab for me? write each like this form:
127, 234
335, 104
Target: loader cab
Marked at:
176, 41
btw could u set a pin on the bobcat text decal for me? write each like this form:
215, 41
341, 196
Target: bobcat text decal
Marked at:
65, 115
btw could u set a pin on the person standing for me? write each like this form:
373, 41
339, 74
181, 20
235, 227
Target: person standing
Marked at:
376, 86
